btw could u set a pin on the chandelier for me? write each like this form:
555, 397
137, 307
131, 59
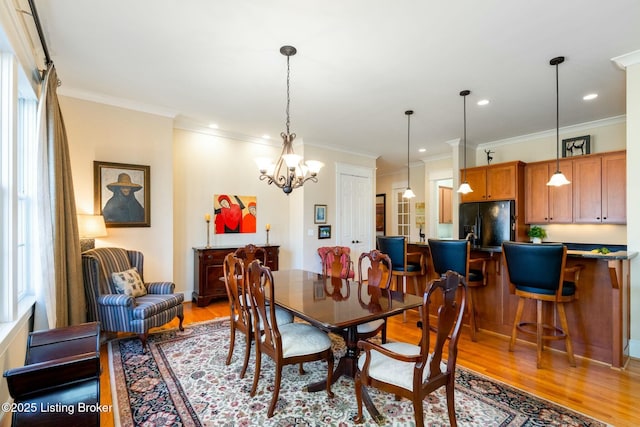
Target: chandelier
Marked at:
289, 171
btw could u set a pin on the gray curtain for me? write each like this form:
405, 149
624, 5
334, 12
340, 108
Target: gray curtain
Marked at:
61, 242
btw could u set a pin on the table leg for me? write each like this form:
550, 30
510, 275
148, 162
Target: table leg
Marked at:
347, 365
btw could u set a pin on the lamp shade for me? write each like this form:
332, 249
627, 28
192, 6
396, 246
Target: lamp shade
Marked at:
465, 188
91, 226
558, 179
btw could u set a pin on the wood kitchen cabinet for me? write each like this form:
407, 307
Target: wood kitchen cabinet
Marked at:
599, 188
208, 271
543, 203
445, 214
494, 182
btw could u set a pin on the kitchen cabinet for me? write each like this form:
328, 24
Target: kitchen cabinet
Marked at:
494, 182
599, 188
208, 271
543, 203
445, 215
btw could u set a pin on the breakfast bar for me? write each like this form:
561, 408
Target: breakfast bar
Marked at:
599, 320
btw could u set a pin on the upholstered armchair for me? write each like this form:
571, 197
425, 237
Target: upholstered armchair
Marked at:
122, 302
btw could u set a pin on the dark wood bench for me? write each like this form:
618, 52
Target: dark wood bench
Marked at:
60, 381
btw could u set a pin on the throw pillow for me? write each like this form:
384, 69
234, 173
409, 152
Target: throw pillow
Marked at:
128, 282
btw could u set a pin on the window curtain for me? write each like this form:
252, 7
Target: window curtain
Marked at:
60, 299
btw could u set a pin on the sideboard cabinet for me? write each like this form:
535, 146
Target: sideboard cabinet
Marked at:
208, 271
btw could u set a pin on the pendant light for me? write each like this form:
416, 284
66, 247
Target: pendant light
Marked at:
557, 179
288, 172
408, 193
465, 188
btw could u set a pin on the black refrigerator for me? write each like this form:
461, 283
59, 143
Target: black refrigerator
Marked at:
487, 223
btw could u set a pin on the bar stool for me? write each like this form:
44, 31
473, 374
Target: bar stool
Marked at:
455, 255
536, 272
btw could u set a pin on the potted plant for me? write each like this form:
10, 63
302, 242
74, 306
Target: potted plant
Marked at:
537, 233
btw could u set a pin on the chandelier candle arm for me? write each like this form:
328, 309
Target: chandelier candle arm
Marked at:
289, 171
557, 179
465, 188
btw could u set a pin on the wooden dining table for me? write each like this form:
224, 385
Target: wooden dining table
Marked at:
339, 306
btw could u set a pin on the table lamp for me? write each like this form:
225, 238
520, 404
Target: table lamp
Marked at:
90, 227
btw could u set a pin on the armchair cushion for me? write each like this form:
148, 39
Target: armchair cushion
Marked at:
392, 371
128, 282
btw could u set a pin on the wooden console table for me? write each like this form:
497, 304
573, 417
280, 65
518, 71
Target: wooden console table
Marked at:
208, 271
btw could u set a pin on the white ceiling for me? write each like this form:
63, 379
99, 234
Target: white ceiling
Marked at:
360, 65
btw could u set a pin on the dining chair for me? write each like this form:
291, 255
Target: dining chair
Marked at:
404, 264
455, 255
250, 252
286, 344
239, 306
378, 275
336, 261
414, 371
537, 272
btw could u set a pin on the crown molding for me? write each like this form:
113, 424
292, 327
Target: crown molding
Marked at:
117, 102
626, 60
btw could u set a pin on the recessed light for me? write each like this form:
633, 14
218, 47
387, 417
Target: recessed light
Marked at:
265, 136
483, 102
422, 150
213, 126
590, 96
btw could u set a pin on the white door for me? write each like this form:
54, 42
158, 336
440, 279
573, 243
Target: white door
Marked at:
355, 210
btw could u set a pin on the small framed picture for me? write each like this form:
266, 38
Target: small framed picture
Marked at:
122, 194
324, 232
579, 146
320, 214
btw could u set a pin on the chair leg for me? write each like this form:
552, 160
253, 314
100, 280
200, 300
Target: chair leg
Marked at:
418, 408
562, 314
384, 332
247, 353
143, 339
472, 315
329, 374
276, 391
404, 291
451, 404
514, 330
539, 333
181, 319
232, 343
256, 374
358, 381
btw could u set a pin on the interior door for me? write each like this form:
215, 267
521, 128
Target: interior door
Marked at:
355, 211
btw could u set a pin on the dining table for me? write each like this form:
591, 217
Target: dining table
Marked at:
338, 305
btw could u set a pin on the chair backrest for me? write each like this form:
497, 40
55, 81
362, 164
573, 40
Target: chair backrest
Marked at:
535, 266
450, 255
451, 292
379, 268
234, 280
260, 288
336, 261
251, 252
396, 248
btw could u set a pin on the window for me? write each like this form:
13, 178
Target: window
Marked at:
18, 107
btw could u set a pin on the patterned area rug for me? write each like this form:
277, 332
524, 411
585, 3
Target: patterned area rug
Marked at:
182, 380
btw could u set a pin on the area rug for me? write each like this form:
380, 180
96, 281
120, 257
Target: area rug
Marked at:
182, 380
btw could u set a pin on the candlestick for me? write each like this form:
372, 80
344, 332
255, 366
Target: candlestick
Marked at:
207, 218
268, 227
267, 237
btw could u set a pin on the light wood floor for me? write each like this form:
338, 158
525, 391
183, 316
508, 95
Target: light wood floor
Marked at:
610, 395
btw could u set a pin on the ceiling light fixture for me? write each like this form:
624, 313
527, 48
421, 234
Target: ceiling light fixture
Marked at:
465, 188
408, 193
590, 96
288, 172
557, 179
483, 102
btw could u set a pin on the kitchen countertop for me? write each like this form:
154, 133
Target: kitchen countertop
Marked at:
576, 250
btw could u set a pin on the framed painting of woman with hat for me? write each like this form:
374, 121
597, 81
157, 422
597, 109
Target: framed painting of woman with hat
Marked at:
122, 194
